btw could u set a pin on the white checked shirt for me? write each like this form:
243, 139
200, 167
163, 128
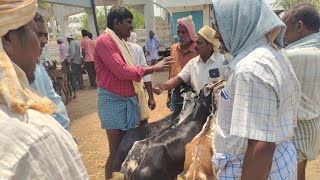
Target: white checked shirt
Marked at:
37, 148
262, 100
138, 55
305, 60
198, 73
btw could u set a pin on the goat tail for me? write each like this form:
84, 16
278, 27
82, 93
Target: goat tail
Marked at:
117, 176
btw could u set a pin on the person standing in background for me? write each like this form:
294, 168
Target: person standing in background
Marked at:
138, 55
63, 50
151, 47
87, 46
303, 39
76, 61
182, 52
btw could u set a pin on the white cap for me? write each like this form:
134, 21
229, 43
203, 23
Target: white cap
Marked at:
69, 35
60, 39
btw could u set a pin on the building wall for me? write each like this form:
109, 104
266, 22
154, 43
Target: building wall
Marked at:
204, 8
199, 13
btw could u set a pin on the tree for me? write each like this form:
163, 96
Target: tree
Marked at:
138, 20
288, 3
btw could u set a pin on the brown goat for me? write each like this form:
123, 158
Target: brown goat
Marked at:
197, 164
59, 80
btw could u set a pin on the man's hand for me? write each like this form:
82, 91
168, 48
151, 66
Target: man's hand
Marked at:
158, 89
165, 63
152, 104
258, 160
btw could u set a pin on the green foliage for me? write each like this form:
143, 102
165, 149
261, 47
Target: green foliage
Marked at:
287, 3
138, 20
43, 4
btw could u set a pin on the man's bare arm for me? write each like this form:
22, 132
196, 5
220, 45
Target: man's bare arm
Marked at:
258, 160
83, 52
151, 102
170, 84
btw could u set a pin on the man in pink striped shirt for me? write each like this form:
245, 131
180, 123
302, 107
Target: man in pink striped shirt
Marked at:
87, 46
118, 107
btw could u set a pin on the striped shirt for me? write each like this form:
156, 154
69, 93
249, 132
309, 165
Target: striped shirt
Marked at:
259, 102
305, 58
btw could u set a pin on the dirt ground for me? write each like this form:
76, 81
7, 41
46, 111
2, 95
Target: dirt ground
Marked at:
92, 140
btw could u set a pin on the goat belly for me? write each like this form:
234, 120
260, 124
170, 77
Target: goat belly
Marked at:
197, 162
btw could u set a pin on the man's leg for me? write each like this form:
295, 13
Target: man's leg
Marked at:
302, 170
74, 75
114, 139
94, 74
80, 76
90, 69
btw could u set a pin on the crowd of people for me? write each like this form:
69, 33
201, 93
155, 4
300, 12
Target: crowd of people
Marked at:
268, 119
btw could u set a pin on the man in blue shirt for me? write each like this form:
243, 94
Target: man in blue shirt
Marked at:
43, 83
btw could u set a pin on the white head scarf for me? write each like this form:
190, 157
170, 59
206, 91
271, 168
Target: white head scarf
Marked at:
243, 22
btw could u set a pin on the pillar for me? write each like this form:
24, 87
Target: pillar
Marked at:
92, 27
53, 28
149, 16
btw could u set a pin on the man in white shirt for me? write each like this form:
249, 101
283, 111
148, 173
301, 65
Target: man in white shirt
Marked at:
205, 68
303, 50
33, 145
138, 55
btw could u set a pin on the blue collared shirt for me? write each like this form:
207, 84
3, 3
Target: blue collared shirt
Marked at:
44, 85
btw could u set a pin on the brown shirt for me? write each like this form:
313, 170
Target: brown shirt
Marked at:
180, 58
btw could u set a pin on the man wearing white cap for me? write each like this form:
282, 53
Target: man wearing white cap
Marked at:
205, 68
74, 56
63, 50
32, 144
